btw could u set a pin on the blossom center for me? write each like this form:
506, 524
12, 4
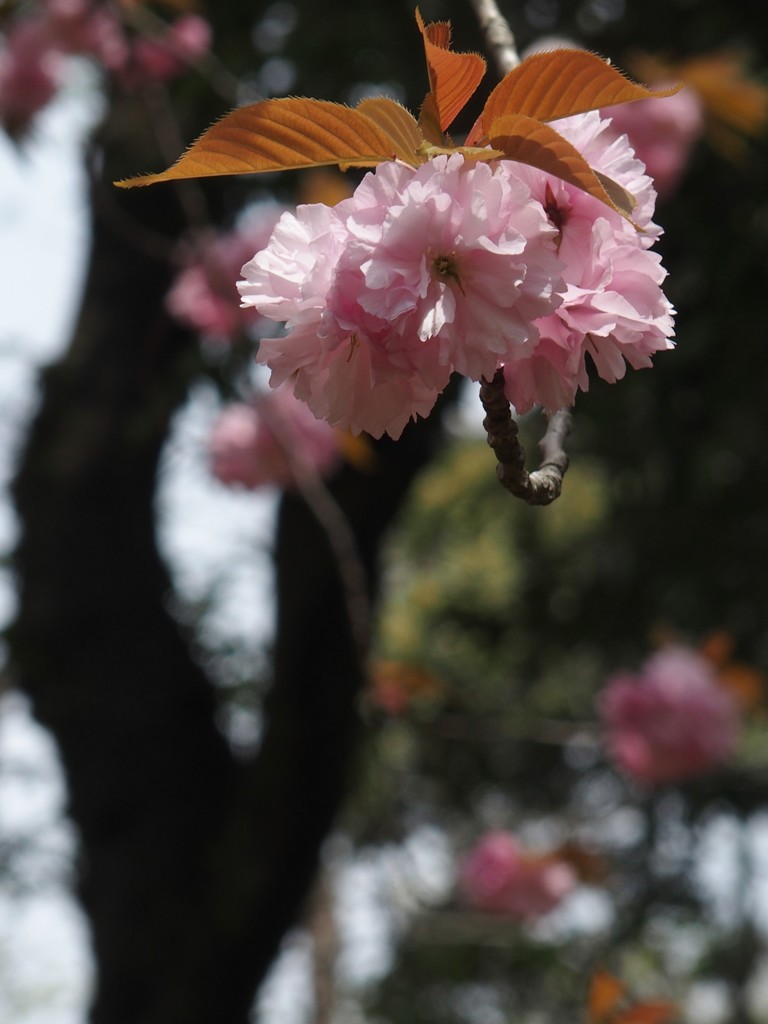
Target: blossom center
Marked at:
446, 267
558, 215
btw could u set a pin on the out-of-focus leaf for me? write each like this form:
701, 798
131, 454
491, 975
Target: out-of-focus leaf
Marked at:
605, 994
735, 105
649, 1013
609, 1003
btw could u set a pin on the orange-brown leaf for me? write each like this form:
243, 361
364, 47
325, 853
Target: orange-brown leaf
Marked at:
453, 77
649, 1013
284, 134
562, 83
531, 142
429, 122
605, 994
395, 120
736, 107
438, 32
721, 80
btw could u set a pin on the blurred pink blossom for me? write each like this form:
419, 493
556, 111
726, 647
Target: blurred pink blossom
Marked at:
30, 73
671, 721
662, 133
271, 442
613, 308
93, 30
500, 876
162, 57
203, 295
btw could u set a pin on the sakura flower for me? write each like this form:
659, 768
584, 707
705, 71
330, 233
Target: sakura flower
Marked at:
457, 252
670, 722
30, 72
418, 274
499, 876
662, 133
271, 442
203, 295
613, 307
341, 371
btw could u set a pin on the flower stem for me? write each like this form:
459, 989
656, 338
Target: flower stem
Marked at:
544, 485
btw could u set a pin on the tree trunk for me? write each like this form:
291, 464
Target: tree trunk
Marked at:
192, 865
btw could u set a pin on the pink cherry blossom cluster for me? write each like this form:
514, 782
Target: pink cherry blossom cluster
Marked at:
671, 721
273, 441
203, 295
32, 59
465, 267
500, 876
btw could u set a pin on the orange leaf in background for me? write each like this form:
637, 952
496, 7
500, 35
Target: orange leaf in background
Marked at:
735, 106
357, 450
605, 995
453, 77
718, 648
649, 1013
738, 105
287, 134
395, 685
609, 1003
745, 684
589, 866
324, 185
561, 83
531, 142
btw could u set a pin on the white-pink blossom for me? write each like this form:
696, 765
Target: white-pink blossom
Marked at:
461, 266
671, 721
456, 252
419, 274
273, 441
613, 308
342, 372
500, 876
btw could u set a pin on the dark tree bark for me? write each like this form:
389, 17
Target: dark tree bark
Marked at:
192, 864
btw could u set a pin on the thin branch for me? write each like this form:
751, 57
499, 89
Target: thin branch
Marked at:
543, 486
335, 524
498, 35
325, 948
